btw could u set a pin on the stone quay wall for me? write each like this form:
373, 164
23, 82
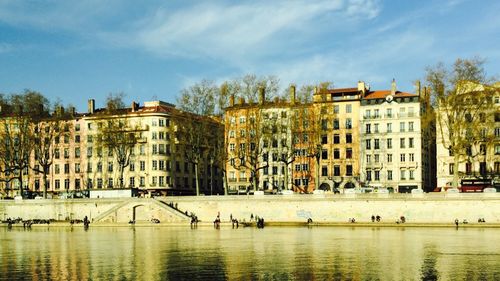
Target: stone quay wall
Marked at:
432, 208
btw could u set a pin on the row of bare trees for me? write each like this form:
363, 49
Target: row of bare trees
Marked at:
29, 128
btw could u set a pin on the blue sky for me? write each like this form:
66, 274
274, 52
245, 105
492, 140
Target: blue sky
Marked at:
76, 50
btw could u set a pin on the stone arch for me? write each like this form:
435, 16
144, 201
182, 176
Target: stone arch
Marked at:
325, 186
139, 213
349, 184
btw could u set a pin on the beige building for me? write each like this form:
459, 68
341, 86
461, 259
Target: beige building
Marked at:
476, 159
162, 159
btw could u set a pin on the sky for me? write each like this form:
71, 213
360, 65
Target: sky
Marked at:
71, 51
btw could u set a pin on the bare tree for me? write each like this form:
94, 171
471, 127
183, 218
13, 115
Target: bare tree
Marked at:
19, 112
118, 134
461, 95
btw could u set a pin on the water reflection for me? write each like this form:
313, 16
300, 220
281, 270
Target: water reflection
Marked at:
160, 253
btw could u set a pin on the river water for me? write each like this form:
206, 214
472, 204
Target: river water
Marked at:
273, 253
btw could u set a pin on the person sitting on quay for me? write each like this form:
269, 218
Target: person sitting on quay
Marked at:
378, 218
373, 218
456, 222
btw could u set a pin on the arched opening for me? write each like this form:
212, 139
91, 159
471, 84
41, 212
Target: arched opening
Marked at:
139, 213
324, 186
349, 185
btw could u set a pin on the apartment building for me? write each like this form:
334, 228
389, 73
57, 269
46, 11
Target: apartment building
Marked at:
395, 150
159, 155
474, 157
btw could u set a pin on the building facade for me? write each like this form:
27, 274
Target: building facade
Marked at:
157, 153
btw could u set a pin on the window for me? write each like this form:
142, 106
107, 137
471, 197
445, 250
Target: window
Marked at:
375, 128
110, 182
154, 135
367, 114
154, 165
377, 144
348, 123
412, 174
131, 182
336, 109
66, 153
376, 113
411, 142
368, 175
368, 144
389, 158
402, 174
377, 175
77, 138
348, 171
389, 175
155, 149
324, 171
410, 126
368, 128
231, 147
142, 165
66, 168
348, 154
389, 143
66, 184
377, 158
348, 138
77, 152
402, 143
389, 127
56, 169
482, 168
142, 181
401, 126
324, 154
77, 167
336, 153
388, 112
402, 157
336, 139
411, 157
324, 139
89, 151
99, 167
348, 108
336, 124
336, 170
305, 167
57, 184
297, 167
110, 166
368, 158
89, 167
99, 183
132, 166
77, 184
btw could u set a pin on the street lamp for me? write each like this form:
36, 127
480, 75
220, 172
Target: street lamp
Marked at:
318, 157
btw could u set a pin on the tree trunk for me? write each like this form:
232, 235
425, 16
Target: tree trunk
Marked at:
196, 178
455, 171
44, 185
224, 177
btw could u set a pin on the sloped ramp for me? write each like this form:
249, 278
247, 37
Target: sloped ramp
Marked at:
141, 210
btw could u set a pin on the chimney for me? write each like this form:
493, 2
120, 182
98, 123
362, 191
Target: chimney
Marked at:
393, 87
231, 100
262, 95
241, 101
292, 94
417, 87
91, 106
134, 106
361, 87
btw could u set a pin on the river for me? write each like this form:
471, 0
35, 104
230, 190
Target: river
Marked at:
273, 253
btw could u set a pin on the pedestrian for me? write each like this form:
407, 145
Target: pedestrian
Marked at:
378, 218
456, 222
373, 218
231, 217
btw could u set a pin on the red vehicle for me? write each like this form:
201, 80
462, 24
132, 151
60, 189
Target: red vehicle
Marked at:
474, 185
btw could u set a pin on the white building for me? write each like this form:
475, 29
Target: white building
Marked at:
394, 152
